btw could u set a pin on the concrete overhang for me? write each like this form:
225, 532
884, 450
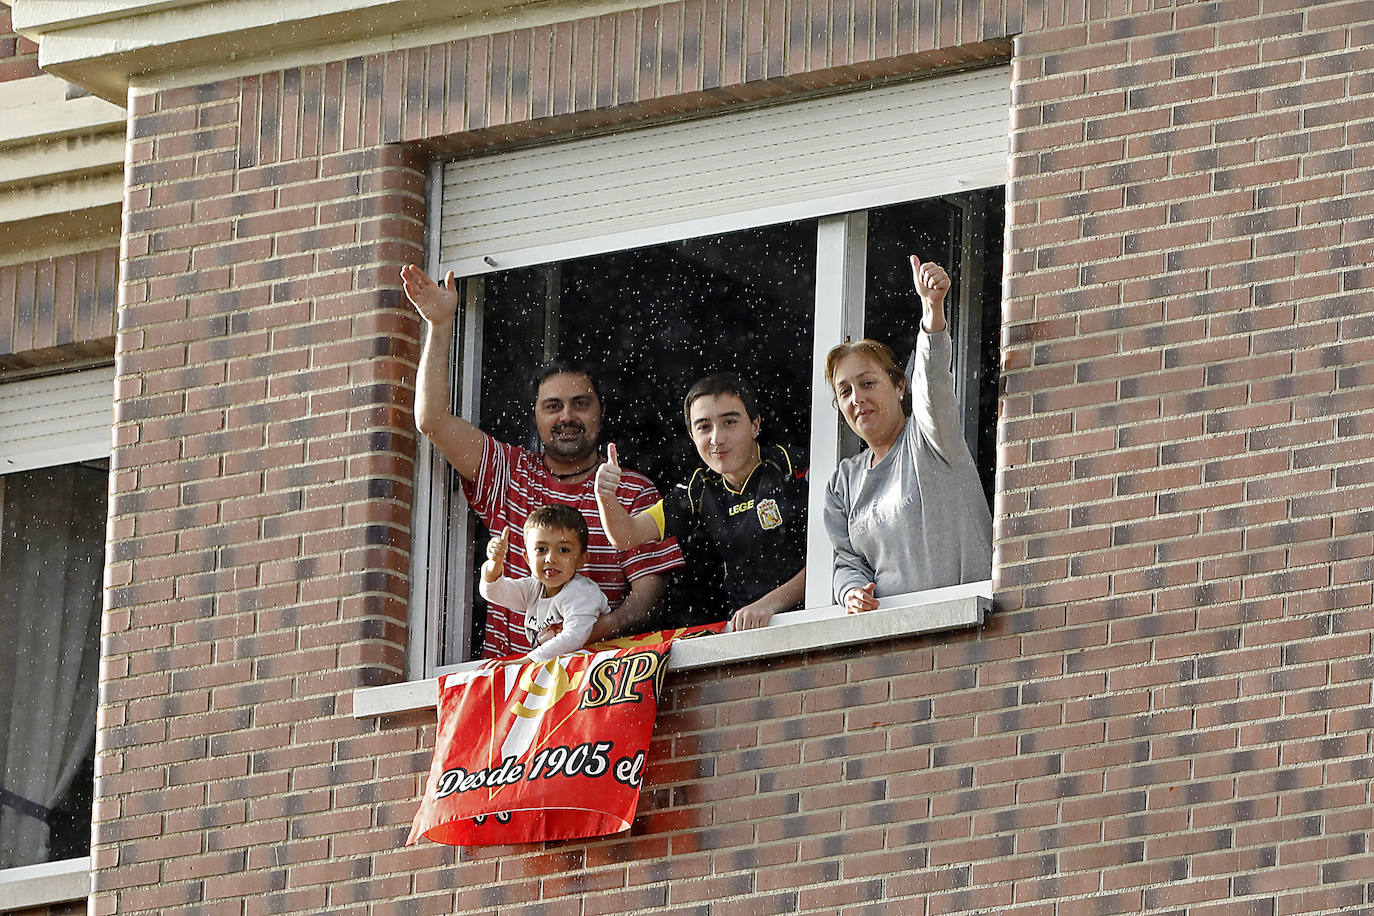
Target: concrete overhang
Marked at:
61, 167
109, 45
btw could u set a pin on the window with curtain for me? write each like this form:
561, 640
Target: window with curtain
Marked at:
52, 545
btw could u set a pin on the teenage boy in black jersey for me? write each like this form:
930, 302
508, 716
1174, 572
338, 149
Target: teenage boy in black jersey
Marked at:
751, 503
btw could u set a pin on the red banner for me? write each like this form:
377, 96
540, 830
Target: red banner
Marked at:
547, 751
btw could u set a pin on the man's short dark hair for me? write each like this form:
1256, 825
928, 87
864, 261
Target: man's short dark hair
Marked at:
715, 385
559, 518
560, 367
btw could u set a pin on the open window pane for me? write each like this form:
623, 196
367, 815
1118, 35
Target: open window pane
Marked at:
962, 233
650, 322
572, 248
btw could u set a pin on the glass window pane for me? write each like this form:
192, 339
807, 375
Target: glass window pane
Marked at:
52, 545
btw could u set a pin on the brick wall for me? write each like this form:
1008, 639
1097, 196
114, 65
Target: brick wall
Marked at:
58, 309
1183, 527
1170, 708
260, 506
18, 55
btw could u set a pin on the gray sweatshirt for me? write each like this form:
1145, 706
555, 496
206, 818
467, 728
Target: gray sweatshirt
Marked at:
918, 519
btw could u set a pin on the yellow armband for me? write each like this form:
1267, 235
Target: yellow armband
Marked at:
655, 512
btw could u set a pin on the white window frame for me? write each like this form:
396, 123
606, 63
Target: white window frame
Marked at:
442, 560
44, 422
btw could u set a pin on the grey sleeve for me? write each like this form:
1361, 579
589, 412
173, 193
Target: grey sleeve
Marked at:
851, 570
933, 404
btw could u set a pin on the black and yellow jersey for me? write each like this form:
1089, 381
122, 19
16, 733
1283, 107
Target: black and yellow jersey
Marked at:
758, 533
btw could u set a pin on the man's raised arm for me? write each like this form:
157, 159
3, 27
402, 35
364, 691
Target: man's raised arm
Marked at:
458, 440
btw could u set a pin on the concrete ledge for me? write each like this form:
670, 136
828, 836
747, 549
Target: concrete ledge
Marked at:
47, 883
61, 169
105, 45
55, 158
37, 110
51, 235
835, 630
821, 628
40, 14
60, 209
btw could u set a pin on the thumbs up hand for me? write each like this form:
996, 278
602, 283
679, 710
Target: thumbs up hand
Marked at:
608, 475
930, 279
624, 532
932, 283
497, 547
496, 556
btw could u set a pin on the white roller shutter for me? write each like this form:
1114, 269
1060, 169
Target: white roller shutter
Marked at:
56, 420
720, 173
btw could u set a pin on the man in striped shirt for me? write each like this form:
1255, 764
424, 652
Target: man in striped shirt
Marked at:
504, 483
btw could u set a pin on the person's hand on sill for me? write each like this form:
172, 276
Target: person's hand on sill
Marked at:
759, 613
491, 664
750, 617
860, 599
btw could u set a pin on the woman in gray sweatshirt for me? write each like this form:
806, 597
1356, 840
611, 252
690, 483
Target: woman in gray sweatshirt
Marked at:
908, 513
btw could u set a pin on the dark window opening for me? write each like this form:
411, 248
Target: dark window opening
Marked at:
52, 547
651, 321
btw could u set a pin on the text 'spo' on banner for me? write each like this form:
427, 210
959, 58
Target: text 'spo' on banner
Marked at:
551, 751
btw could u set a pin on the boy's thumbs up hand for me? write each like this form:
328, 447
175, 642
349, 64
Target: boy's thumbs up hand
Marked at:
497, 547
608, 475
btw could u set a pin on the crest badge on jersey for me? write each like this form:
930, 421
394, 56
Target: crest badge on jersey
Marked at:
770, 516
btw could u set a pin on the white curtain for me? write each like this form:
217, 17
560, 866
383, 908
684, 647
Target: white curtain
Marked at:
52, 539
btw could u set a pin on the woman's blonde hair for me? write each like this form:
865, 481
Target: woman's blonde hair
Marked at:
875, 350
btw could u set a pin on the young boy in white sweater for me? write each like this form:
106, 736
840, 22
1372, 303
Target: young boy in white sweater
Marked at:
556, 547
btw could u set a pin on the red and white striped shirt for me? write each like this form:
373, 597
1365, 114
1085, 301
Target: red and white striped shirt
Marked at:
511, 483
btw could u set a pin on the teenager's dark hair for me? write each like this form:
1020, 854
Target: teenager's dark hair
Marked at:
559, 518
714, 386
560, 367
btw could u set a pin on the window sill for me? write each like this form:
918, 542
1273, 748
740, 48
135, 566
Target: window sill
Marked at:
829, 627
46, 883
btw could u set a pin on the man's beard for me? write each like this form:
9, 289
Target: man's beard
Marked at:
578, 448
